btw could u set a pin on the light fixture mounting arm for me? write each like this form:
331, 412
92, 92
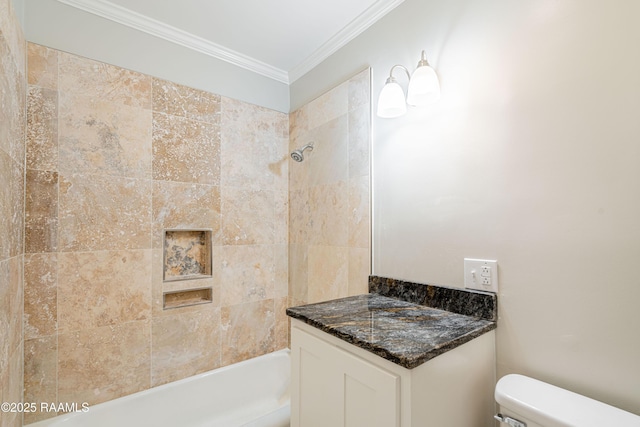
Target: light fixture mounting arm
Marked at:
392, 79
423, 60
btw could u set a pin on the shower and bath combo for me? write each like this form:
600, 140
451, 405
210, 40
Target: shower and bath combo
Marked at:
297, 154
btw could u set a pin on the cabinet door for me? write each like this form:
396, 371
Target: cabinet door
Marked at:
332, 387
315, 383
371, 394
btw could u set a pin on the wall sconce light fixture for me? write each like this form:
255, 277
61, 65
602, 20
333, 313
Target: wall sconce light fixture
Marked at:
423, 89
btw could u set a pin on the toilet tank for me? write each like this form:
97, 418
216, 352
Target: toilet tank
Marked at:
538, 404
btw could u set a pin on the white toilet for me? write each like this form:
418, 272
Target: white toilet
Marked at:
525, 402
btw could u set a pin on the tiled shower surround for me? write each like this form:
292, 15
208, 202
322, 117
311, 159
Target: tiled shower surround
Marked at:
329, 255
12, 149
113, 159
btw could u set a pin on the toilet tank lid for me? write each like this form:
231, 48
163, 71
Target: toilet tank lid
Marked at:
552, 406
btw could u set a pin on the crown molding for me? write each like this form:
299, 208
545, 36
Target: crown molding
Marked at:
135, 20
113, 12
369, 17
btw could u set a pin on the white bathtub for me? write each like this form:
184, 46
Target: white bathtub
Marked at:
251, 393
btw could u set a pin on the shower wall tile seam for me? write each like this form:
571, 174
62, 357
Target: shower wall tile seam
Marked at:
244, 303
57, 270
24, 187
63, 172
209, 122
333, 246
71, 172
90, 328
185, 182
88, 251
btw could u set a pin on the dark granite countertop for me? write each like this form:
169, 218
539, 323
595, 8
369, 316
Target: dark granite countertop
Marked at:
405, 322
469, 302
402, 332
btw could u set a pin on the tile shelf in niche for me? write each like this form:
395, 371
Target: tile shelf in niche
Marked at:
186, 298
187, 254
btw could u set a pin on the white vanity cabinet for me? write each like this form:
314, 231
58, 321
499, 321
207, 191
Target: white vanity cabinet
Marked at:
337, 384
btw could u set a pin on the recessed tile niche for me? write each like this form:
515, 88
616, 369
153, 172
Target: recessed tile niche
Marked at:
186, 298
187, 254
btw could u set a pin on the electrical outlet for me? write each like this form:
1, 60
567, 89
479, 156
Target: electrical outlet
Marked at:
481, 274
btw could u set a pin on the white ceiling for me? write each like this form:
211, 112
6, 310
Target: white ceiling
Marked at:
281, 39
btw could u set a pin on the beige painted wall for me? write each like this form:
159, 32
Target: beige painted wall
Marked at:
114, 157
530, 158
12, 149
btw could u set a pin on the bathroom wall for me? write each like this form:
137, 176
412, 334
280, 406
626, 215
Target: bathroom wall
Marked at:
531, 158
12, 149
113, 158
329, 229
47, 22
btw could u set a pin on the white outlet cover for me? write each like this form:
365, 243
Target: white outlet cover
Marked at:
473, 279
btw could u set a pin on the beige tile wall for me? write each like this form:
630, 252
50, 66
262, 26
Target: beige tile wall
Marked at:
329, 255
12, 166
114, 157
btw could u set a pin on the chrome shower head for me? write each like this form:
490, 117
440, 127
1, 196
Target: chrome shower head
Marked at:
297, 154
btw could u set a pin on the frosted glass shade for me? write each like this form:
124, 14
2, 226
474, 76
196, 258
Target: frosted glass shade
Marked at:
424, 88
391, 102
